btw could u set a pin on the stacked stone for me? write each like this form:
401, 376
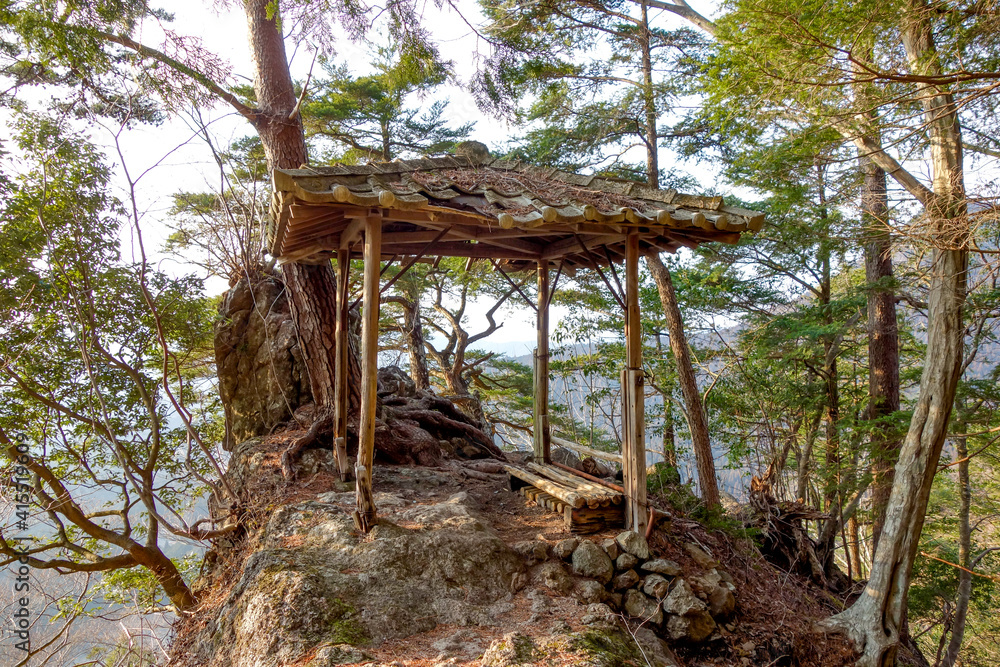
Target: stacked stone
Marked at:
621, 574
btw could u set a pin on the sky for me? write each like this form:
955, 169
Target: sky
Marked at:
172, 158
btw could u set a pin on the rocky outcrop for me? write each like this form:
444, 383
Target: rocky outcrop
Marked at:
314, 584
262, 380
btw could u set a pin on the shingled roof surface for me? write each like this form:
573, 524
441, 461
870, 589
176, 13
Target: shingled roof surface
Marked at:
491, 208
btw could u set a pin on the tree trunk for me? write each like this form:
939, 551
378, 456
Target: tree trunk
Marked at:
669, 434
651, 138
700, 440
166, 574
964, 556
805, 460
413, 335
312, 289
876, 621
883, 340
312, 292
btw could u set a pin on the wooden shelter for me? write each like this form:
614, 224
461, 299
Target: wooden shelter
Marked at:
516, 216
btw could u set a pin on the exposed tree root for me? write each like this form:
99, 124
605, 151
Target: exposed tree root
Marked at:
787, 542
409, 430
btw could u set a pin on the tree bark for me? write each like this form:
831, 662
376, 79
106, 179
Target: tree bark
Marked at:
876, 620
651, 138
312, 289
700, 440
883, 340
964, 555
669, 434
805, 460
413, 336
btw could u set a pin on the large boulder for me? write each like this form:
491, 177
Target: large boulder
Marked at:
689, 619
639, 606
314, 581
590, 560
717, 591
262, 377
633, 543
665, 567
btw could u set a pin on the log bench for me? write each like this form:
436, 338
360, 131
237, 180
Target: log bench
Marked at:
586, 506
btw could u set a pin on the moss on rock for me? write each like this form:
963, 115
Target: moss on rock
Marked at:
608, 647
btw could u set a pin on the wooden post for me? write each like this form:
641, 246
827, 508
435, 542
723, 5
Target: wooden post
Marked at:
633, 395
365, 517
340, 370
543, 436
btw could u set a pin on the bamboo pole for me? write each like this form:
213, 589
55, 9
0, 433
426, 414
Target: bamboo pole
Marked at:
340, 369
634, 444
542, 433
566, 495
365, 516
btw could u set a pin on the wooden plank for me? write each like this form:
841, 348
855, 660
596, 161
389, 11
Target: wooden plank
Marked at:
549, 487
307, 219
587, 451
341, 361
634, 444
596, 480
542, 432
586, 520
580, 485
366, 516
571, 246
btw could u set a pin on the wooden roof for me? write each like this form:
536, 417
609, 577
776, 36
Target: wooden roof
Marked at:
488, 208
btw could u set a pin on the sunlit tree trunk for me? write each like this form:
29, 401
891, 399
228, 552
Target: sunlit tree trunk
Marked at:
964, 555
876, 620
312, 289
700, 439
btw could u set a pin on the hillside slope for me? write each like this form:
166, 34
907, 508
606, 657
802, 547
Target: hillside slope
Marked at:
461, 571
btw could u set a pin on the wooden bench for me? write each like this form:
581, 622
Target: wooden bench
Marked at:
586, 506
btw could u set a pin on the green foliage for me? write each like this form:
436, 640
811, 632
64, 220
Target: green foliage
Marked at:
596, 79
358, 118
221, 232
83, 334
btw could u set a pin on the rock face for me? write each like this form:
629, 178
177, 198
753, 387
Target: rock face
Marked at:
313, 582
262, 380
513, 649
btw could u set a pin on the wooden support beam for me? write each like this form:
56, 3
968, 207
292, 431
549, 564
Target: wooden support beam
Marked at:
340, 369
574, 243
463, 249
633, 416
543, 435
351, 233
365, 517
